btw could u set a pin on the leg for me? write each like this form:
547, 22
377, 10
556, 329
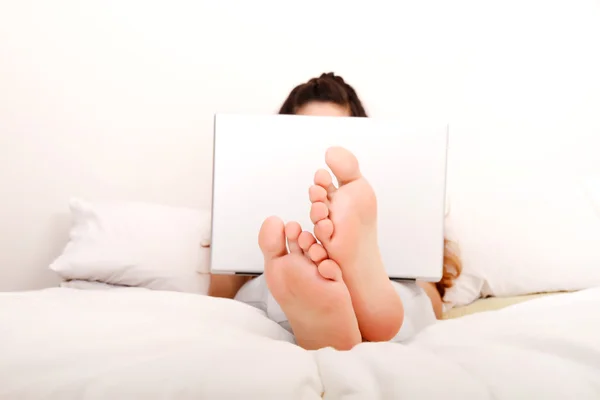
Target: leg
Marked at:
418, 312
345, 221
308, 287
226, 285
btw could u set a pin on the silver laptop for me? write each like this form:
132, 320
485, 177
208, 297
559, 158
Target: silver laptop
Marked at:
264, 165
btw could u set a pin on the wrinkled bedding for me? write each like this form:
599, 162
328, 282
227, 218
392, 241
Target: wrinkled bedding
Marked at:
492, 304
77, 344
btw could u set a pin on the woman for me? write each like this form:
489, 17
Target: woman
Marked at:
331, 288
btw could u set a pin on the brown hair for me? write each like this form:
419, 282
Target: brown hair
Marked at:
327, 88
331, 88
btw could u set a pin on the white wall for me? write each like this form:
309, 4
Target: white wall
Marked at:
114, 99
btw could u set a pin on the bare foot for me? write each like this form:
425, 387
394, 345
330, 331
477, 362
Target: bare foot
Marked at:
308, 287
345, 221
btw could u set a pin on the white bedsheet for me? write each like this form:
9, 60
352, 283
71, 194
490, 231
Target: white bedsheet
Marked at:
75, 344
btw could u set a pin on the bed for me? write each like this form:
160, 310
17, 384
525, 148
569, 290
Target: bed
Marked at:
132, 319
65, 343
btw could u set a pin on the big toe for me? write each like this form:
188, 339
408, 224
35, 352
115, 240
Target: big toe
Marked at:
271, 238
343, 164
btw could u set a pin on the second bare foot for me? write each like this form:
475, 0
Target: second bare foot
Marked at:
308, 286
345, 221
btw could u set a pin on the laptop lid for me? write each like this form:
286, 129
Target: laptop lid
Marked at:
264, 165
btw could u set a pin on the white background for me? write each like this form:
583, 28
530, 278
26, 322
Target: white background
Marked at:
114, 99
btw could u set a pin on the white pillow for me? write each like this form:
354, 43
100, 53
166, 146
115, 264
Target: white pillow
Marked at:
592, 187
520, 216
137, 244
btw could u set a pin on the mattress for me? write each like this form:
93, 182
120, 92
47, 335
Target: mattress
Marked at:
98, 344
491, 304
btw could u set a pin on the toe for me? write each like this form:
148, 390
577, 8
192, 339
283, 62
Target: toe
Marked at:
323, 179
318, 211
271, 238
292, 232
324, 230
305, 240
343, 164
329, 269
317, 253
317, 193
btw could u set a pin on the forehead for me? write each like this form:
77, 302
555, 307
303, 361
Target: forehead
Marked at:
323, 109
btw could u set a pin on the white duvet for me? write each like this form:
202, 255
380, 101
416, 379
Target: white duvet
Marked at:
140, 344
